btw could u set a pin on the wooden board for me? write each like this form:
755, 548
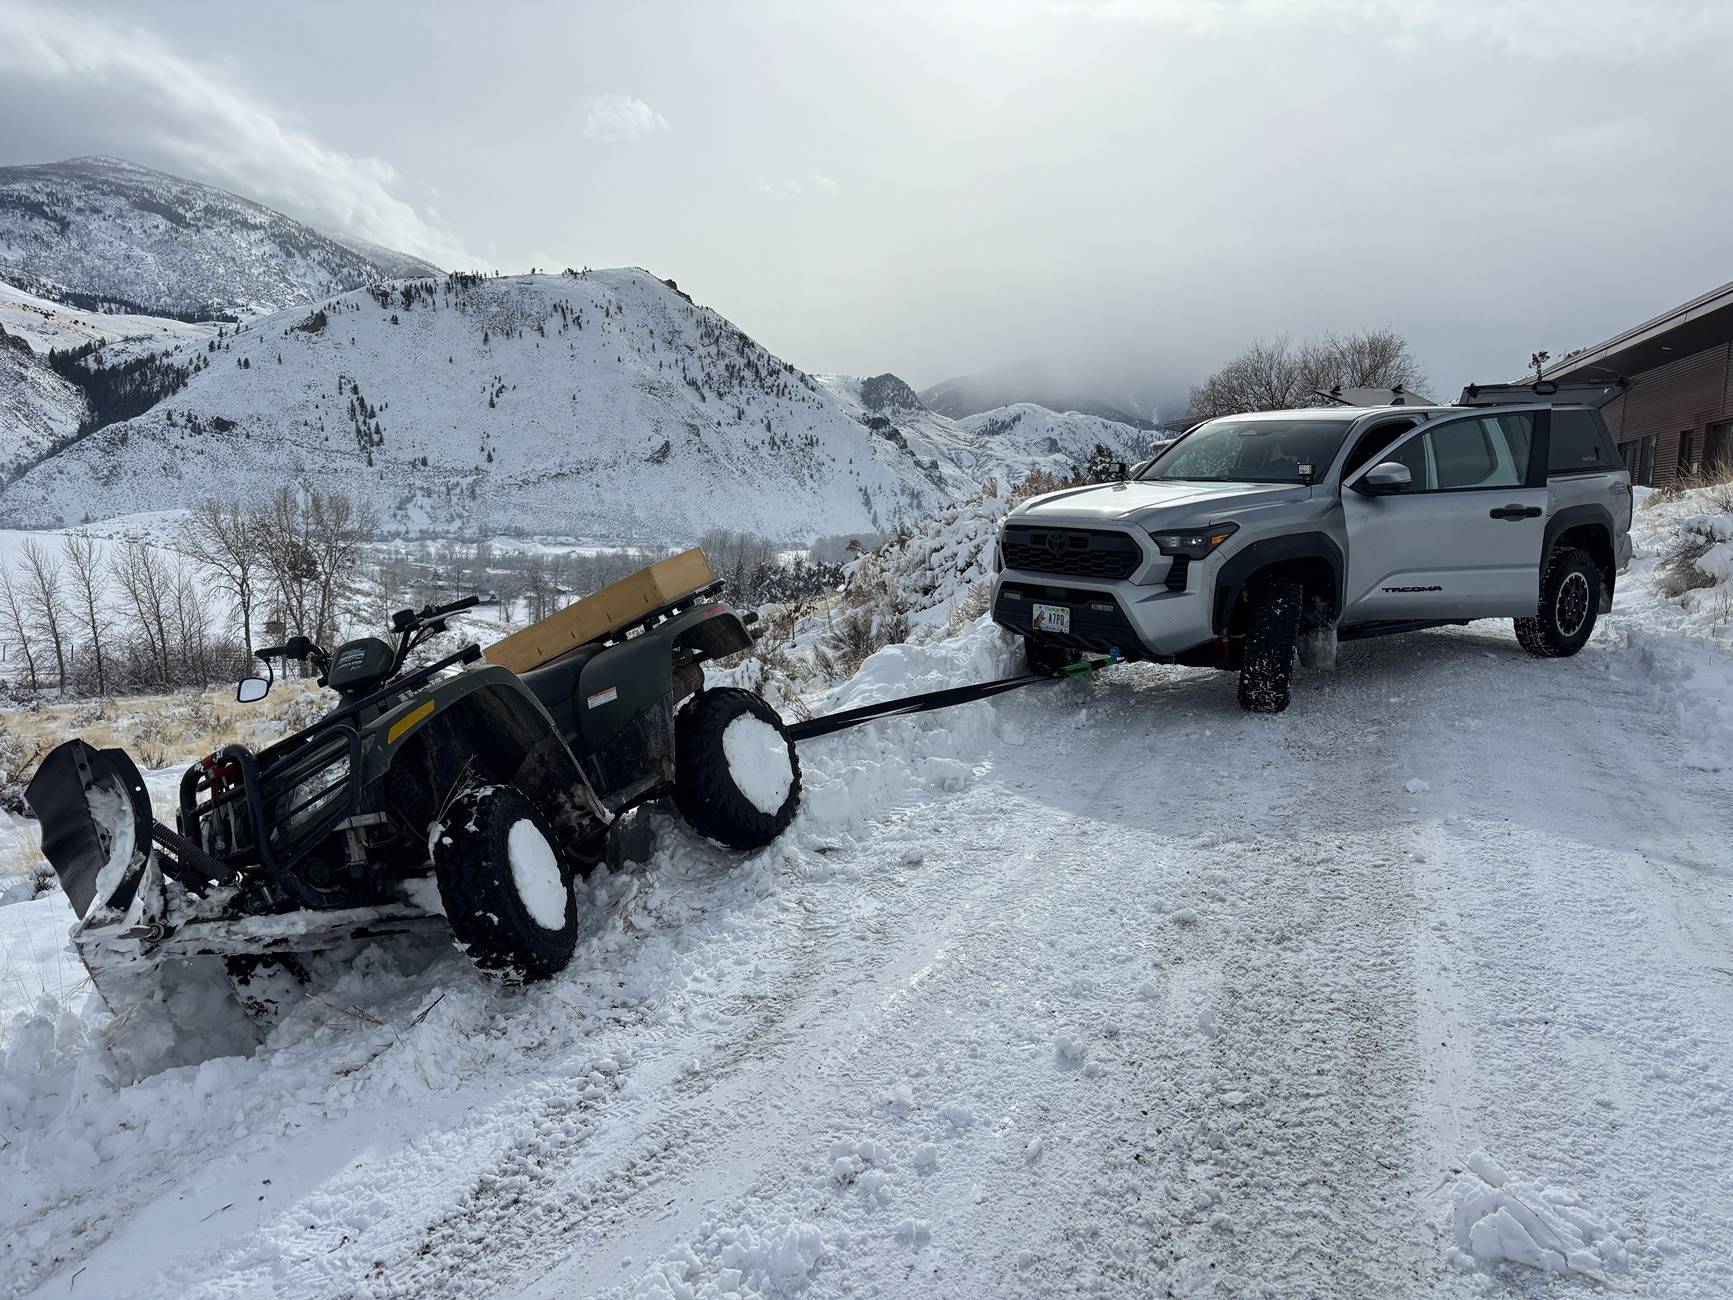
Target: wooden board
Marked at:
617, 605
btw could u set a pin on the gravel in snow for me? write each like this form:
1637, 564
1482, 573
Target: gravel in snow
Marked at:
1163, 999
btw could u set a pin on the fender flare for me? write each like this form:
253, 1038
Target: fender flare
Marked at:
1591, 515
1239, 570
1576, 517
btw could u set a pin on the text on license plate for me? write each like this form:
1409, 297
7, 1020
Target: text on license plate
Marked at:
1052, 618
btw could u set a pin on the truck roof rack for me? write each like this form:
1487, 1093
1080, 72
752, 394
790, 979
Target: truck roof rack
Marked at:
1551, 391
1397, 396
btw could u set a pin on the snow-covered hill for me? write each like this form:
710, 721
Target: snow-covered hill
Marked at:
606, 405
46, 324
1015, 438
38, 409
105, 233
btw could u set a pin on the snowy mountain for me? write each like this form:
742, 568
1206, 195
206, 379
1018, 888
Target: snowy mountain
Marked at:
1057, 387
107, 234
605, 406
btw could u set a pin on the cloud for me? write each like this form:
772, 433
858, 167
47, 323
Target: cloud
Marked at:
1609, 30
622, 117
793, 188
147, 96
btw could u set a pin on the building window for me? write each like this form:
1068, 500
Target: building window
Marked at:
1718, 447
1684, 463
1640, 460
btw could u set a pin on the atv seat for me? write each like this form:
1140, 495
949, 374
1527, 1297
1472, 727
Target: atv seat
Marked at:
556, 686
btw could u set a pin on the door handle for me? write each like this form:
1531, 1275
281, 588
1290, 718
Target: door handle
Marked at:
1516, 512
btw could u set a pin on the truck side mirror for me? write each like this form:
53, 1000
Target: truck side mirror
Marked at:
1387, 478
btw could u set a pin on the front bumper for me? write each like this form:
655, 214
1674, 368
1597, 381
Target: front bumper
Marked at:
1149, 623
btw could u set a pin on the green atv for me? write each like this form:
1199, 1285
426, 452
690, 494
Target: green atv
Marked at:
501, 790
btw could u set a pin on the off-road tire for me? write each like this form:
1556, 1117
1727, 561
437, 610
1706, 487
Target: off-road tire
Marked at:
704, 788
1570, 603
1271, 631
1048, 660
480, 892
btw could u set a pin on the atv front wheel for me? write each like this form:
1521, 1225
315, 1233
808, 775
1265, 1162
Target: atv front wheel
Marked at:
736, 775
505, 885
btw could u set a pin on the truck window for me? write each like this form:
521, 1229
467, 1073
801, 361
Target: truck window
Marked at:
1578, 444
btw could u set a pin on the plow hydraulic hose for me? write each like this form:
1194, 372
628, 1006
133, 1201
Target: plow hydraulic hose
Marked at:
945, 699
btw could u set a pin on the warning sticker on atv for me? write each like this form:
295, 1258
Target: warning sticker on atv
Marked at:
600, 698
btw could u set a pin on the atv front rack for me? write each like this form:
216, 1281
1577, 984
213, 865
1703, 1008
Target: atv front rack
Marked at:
272, 809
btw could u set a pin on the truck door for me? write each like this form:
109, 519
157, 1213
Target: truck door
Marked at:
1464, 541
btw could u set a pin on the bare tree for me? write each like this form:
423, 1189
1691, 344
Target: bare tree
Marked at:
190, 612
288, 560
224, 539
145, 584
1277, 375
44, 601
337, 530
17, 629
84, 562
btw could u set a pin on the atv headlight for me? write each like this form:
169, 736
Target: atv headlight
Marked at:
1194, 543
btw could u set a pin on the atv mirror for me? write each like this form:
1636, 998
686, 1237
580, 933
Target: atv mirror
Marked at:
1386, 478
250, 690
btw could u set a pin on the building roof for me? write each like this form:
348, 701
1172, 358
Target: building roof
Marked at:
1690, 327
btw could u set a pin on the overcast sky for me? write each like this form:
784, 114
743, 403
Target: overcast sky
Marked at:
935, 188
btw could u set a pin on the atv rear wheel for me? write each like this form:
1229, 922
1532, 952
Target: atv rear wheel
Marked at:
505, 884
736, 775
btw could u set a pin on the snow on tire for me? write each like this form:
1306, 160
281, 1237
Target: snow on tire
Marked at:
1270, 636
736, 774
505, 885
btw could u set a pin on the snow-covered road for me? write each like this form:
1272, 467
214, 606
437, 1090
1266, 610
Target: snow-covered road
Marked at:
1102, 988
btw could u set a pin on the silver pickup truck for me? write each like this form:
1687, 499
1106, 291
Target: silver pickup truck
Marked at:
1255, 535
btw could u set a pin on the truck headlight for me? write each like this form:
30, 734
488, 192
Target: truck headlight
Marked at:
1194, 543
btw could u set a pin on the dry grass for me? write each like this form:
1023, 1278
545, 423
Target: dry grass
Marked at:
161, 730
1714, 484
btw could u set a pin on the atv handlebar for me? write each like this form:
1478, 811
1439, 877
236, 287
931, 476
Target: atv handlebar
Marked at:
409, 620
296, 647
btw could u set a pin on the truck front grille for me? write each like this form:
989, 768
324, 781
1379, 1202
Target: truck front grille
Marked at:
1076, 552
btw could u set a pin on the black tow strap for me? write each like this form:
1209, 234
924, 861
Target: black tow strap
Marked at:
831, 723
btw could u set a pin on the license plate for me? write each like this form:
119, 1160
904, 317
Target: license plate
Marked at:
1052, 618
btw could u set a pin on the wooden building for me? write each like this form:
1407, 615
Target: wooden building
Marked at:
1678, 415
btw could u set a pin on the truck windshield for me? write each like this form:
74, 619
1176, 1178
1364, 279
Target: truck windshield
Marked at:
1249, 449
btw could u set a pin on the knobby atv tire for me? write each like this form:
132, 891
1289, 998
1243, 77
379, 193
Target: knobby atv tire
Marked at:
1570, 603
1048, 660
704, 788
479, 890
1271, 632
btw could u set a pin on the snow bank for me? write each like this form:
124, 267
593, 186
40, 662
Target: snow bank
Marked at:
1498, 1219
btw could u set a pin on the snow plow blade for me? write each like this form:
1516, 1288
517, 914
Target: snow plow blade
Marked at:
96, 823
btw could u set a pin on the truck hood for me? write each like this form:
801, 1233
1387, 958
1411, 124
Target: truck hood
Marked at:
1173, 503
